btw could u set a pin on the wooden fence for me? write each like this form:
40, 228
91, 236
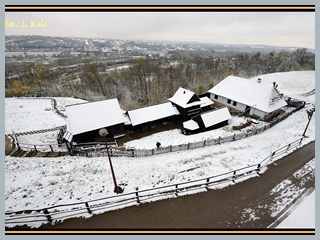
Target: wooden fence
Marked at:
60, 212
186, 146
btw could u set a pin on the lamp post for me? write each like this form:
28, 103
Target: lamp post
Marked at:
310, 113
104, 132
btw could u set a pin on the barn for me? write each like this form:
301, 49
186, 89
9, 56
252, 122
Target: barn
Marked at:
149, 117
256, 99
86, 119
207, 121
188, 103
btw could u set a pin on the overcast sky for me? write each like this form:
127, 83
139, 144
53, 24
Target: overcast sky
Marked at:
295, 29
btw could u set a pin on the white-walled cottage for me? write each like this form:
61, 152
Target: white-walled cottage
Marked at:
254, 98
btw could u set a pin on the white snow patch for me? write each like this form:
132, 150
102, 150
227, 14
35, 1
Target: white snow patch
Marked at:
43, 182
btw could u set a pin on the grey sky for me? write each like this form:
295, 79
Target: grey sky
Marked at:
270, 28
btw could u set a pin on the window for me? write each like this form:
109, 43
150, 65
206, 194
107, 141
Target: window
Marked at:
229, 101
216, 96
234, 103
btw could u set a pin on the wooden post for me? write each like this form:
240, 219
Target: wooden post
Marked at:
258, 168
88, 208
288, 147
46, 212
137, 197
310, 113
207, 183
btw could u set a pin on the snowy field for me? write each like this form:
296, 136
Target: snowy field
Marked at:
303, 216
29, 114
43, 182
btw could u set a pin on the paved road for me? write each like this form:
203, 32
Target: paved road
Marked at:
247, 204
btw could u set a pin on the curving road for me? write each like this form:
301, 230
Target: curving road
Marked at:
248, 204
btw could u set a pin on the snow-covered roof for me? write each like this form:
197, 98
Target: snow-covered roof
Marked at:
216, 116
182, 98
86, 117
152, 113
191, 125
258, 95
68, 136
205, 101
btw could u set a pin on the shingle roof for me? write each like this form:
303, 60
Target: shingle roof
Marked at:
90, 116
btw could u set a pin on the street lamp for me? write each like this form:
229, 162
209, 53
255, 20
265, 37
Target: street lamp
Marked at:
104, 132
310, 113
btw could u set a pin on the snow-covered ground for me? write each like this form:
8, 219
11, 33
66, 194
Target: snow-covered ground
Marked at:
42, 182
290, 82
29, 114
303, 216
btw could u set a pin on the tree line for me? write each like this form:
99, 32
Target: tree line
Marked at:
147, 81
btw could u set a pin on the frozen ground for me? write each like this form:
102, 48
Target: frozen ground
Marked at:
303, 216
29, 114
42, 182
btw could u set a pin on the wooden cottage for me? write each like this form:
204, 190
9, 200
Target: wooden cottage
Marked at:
207, 121
149, 117
188, 103
252, 98
86, 119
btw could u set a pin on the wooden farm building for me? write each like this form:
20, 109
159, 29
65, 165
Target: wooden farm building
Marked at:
86, 119
253, 98
207, 121
188, 103
149, 117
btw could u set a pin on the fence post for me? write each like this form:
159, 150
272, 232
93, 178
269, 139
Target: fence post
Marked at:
152, 152
188, 145
35, 148
258, 169
272, 155
137, 196
46, 212
18, 145
219, 140
51, 148
207, 183
204, 143
300, 141
176, 190
234, 137
170, 147
88, 208
288, 147
234, 176
132, 152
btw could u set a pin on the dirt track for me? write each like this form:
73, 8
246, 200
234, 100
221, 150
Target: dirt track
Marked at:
244, 205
